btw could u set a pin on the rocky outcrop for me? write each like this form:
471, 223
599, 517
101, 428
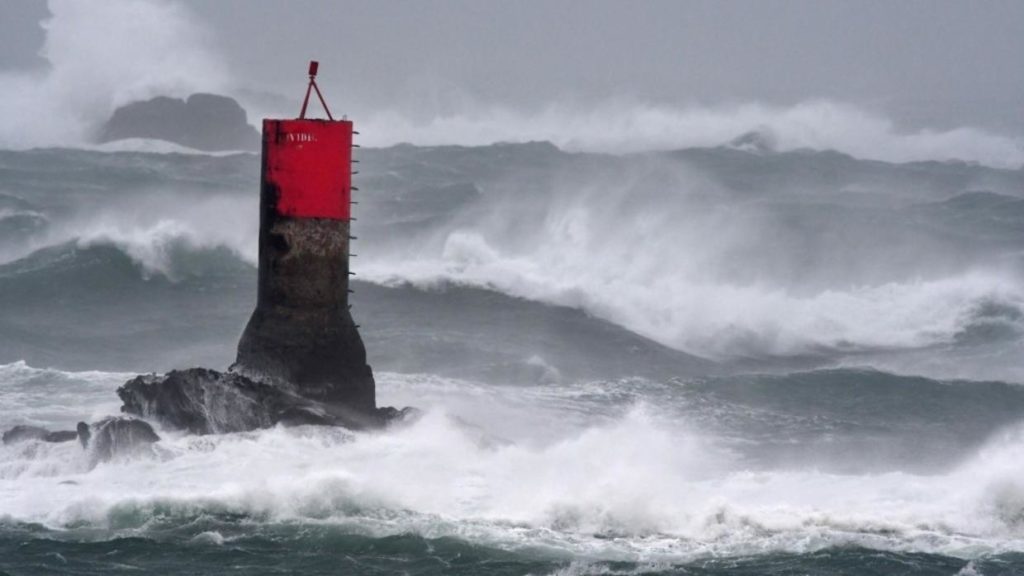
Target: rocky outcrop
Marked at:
108, 439
118, 437
204, 401
25, 433
202, 121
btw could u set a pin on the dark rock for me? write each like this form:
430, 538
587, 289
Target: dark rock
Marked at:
204, 401
61, 436
198, 400
84, 435
391, 414
204, 121
24, 433
111, 438
118, 437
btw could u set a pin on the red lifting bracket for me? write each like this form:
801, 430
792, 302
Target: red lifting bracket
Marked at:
313, 67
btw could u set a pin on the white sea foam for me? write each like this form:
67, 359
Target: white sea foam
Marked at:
51, 397
633, 487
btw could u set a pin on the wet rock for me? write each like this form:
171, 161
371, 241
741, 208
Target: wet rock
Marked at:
204, 401
105, 440
84, 435
203, 121
24, 433
61, 436
119, 437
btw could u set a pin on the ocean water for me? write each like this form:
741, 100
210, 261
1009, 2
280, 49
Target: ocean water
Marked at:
708, 361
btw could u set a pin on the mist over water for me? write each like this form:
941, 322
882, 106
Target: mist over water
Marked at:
90, 74
623, 127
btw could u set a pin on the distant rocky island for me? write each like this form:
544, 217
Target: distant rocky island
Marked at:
206, 122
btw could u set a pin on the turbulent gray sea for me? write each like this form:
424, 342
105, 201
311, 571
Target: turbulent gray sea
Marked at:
707, 361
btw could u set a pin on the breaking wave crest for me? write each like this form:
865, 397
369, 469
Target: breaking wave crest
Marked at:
169, 247
720, 319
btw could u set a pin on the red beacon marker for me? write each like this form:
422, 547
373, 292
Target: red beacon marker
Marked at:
302, 331
313, 67
308, 162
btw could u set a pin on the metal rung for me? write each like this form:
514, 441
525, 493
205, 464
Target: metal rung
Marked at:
354, 172
353, 238
354, 189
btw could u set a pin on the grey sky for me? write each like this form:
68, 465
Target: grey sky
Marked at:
925, 63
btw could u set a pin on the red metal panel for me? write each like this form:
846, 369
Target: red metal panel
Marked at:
309, 162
